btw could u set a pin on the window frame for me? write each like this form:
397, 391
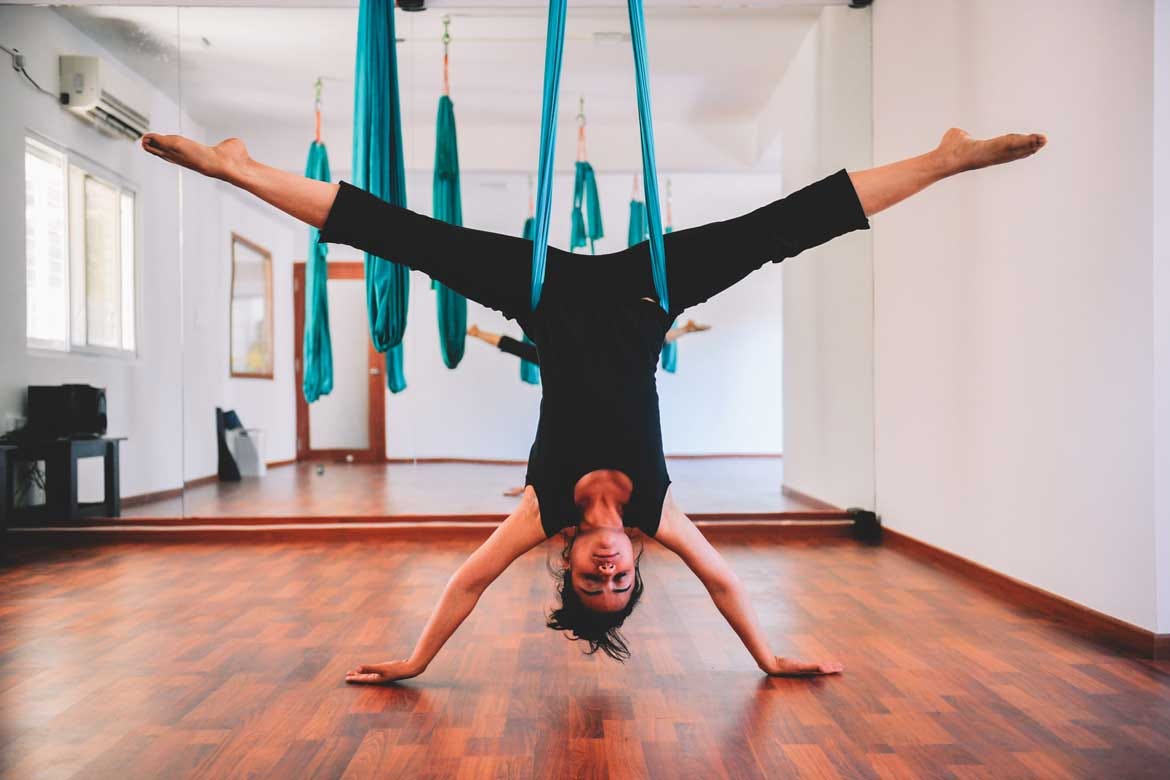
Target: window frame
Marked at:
75, 265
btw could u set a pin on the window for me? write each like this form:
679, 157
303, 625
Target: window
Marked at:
79, 254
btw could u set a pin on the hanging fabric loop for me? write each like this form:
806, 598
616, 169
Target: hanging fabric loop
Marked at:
316, 344
670, 351
529, 372
447, 204
553, 64
378, 167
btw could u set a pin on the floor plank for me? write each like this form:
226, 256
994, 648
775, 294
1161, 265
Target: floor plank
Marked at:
216, 660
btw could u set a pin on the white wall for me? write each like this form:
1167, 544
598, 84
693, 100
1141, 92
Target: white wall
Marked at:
1014, 347
828, 291
1161, 171
212, 212
143, 392
724, 398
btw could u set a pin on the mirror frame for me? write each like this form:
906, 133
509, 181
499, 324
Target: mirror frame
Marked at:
237, 240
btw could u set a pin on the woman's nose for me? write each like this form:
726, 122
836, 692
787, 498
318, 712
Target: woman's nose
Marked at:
606, 568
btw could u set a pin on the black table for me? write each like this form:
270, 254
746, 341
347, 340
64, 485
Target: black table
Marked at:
60, 457
4, 483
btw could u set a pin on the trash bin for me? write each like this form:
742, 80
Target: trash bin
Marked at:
247, 448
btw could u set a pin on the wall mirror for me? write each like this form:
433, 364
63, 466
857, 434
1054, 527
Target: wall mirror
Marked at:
251, 310
759, 384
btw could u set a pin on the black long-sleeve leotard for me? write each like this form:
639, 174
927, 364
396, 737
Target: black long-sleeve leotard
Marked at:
597, 335
520, 349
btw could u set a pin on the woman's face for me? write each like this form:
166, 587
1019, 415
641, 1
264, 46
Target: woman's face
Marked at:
601, 568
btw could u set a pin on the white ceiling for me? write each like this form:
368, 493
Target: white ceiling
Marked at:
241, 65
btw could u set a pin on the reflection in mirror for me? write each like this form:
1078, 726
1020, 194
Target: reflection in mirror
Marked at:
90, 330
786, 105
251, 310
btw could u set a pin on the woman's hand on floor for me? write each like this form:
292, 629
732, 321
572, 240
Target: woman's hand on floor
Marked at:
787, 667
377, 674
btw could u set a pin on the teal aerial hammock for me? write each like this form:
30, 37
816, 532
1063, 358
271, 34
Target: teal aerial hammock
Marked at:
670, 349
553, 61
639, 232
529, 372
317, 350
585, 197
448, 207
378, 168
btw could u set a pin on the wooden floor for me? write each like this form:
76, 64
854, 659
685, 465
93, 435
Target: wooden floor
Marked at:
727, 487
226, 660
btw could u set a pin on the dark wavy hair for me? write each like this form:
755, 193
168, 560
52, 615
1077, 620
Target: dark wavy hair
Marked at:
579, 622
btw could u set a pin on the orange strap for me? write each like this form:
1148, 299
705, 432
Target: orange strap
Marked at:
317, 114
446, 76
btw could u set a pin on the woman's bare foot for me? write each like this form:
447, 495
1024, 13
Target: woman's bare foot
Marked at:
960, 152
226, 160
786, 667
473, 330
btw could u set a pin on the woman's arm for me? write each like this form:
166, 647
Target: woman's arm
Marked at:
515, 536
484, 335
521, 349
678, 534
674, 334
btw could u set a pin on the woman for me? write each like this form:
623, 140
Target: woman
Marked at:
526, 351
597, 465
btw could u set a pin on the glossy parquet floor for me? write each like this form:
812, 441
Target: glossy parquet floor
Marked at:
724, 486
226, 660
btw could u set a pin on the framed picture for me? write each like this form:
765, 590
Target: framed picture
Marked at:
251, 310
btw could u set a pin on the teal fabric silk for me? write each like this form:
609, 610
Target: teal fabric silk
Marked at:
379, 169
529, 372
316, 347
448, 207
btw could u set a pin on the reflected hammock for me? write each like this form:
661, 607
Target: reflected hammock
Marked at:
448, 207
316, 347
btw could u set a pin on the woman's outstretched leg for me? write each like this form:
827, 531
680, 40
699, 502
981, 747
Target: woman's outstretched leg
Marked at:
880, 188
704, 261
493, 269
305, 199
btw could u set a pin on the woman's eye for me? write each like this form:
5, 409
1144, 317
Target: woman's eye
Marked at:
621, 576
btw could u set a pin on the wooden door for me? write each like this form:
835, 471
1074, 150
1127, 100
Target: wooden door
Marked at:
358, 387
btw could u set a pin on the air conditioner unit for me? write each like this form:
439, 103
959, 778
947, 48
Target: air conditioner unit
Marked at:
115, 104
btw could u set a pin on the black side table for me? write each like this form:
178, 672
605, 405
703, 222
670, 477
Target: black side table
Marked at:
5, 482
60, 457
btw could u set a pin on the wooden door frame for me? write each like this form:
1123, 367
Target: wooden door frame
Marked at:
376, 453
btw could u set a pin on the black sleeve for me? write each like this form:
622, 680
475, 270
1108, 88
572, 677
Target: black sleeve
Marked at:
520, 349
490, 268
